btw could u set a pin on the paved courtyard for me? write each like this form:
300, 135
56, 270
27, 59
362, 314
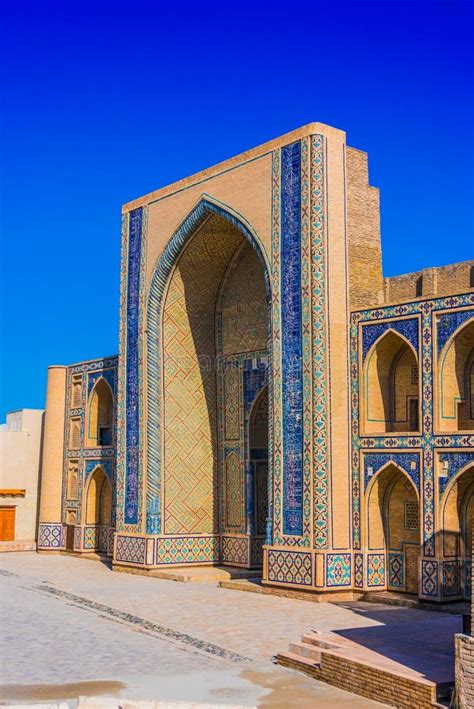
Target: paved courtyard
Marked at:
71, 626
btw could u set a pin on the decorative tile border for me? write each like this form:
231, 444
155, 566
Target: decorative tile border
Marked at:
358, 570
132, 421
291, 336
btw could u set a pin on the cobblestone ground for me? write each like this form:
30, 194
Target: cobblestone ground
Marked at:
65, 621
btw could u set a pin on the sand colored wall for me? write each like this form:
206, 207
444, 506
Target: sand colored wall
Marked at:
20, 468
53, 446
363, 233
244, 307
189, 371
443, 280
388, 385
456, 410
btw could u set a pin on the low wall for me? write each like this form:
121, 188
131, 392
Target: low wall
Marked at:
464, 648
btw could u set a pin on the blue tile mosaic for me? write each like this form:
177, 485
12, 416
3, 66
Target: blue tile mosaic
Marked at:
409, 462
448, 323
292, 343
107, 374
106, 465
455, 461
371, 333
132, 413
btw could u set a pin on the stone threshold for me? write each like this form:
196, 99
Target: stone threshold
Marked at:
18, 546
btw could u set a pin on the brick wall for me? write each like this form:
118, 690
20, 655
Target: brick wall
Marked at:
394, 689
464, 647
363, 231
444, 280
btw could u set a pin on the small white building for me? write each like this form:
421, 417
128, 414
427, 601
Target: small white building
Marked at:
20, 470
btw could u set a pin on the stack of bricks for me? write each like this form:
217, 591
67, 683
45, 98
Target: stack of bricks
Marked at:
465, 665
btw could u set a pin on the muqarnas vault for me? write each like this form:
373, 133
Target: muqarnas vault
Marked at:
276, 403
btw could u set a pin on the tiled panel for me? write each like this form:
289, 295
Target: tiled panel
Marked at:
408, 328
291, 328
338, 570
293, 567
132, 374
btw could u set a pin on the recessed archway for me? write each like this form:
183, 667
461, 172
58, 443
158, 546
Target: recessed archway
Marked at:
393, 526
457, 531
391, 386
209, 314
100, 417
456, 381
98, 507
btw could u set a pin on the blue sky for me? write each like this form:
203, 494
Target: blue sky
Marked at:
105, 101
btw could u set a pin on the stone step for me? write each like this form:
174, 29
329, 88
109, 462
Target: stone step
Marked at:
306, 650
297, 661
18, 546
323, 641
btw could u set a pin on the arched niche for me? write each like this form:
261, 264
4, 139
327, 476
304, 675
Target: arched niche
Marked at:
393, 526
456, 381
390, 395
100, 415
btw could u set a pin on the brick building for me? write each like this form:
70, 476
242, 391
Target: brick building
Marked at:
276, 402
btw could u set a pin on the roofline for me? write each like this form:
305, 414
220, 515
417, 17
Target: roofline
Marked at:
252, 153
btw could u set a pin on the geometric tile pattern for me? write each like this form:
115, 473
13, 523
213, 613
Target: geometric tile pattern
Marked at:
359, 570
50, 536
131, 549
395, 570
338, 570
293, 567
318, 383
187, 550
449, 323
375, 570
451, 579
468, 578
91, 537
235, 550
292, 355
429, 577
455, 461
132, 454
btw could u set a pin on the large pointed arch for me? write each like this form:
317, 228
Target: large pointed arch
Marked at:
163, 269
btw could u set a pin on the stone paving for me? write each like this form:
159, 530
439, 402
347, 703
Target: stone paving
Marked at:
66, 620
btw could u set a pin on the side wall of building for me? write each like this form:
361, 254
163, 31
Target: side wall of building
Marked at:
20, 469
